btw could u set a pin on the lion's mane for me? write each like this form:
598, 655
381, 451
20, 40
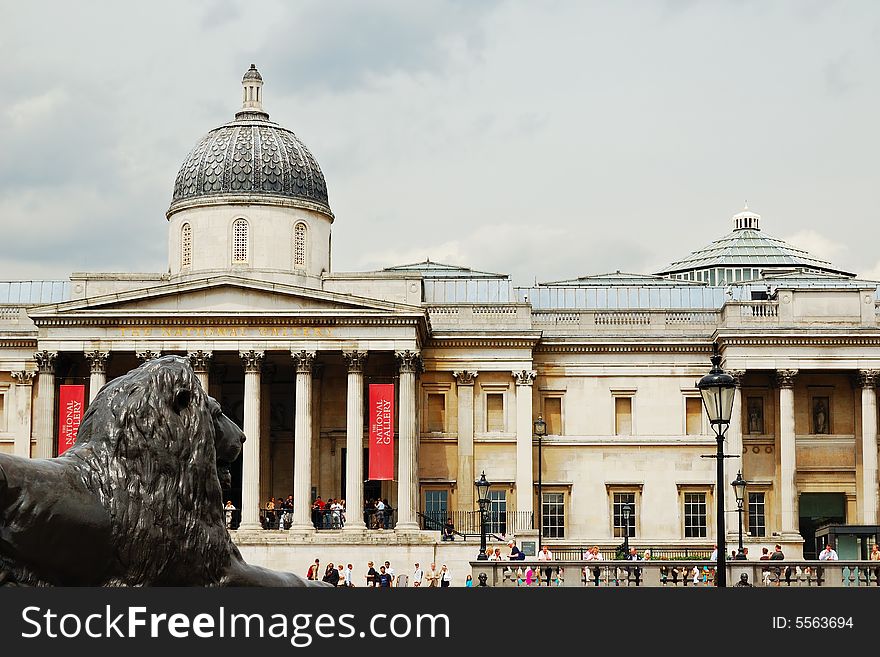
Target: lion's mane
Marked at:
146, 448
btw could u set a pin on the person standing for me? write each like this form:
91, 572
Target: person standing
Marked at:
432, 577
777, 555
347, 574
445, 577
229, 508
331, 575
546, 555
828, 554
314, 570
418, 575
384, 578
372, 575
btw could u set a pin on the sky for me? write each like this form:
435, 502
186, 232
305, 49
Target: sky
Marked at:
546, 140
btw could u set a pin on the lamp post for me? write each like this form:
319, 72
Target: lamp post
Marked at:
718, 389
482, 485
540, 432
627, 512
739, 489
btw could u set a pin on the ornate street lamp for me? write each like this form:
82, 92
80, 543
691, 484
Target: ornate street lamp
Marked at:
718, 389
540, 432
739, 489
482, 485
627, 512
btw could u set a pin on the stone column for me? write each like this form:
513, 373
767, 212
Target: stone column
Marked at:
464, 383
201, 364
97, 371
407, 445
734, 447
24, 391
44, 418
354, 442
147, 354
787, 452
302, 443
317, 373
868, 499
250, 473
524, 470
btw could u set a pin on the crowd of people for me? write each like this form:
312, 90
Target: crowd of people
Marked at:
385, 576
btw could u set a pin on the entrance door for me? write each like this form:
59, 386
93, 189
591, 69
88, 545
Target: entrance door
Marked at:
816, 510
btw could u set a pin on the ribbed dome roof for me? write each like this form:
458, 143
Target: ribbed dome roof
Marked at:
751, 248
251, 156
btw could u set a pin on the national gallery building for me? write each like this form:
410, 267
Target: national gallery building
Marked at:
289, 346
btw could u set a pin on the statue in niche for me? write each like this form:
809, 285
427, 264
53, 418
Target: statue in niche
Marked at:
756, 415
820, 415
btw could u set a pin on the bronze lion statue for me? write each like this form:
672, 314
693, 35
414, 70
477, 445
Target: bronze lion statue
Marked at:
137, 500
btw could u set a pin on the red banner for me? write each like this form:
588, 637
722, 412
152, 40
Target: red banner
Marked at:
382, 431
70, 411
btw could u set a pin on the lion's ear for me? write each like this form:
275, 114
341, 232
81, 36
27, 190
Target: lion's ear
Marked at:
181, 399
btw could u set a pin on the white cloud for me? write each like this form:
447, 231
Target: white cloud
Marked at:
817, 244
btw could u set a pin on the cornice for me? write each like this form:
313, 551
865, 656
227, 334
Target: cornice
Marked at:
203, 319
624, 347
800, 340
21, 343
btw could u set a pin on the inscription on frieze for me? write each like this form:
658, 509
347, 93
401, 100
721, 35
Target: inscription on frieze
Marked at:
225, 332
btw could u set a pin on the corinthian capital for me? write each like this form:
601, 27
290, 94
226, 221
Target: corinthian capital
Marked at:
524, 377
24, 377
147, 354
46, 361
355, 360
200, 360
785, 378
97, 361
465, 377
737, 376
252, 360
868, 378
304, 360
410, 362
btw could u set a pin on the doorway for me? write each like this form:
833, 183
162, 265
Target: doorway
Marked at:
817, 510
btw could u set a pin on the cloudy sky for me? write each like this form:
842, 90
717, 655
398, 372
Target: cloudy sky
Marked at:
547, 139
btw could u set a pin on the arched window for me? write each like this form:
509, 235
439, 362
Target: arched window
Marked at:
240, 240
186, 245
300, 233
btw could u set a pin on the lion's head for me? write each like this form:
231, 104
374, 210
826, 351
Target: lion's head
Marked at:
148, 447
228, 439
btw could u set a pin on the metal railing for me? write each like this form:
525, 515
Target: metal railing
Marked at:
467, 523
677, 574
576, 553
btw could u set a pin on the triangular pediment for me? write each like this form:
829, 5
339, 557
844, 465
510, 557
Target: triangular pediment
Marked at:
223, 295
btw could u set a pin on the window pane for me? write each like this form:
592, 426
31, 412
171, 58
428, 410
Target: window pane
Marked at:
694, 420
186, 246
436, 421
553, 515
695, 515
619, 500
497, 511
436, 506
756, 523
623, 416
299, 245
495, 412
553, 415
240, 241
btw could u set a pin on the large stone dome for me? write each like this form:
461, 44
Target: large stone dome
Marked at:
252, 160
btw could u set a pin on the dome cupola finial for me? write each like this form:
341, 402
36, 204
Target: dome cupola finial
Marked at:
252, 95
746, 219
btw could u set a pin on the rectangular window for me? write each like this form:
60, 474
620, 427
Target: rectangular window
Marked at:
494, 412
618, 502
553, 515
497, 521
694, 416
695, 515
436, 417
436, 508
623, 416
553, 415
3, 412
756, 522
